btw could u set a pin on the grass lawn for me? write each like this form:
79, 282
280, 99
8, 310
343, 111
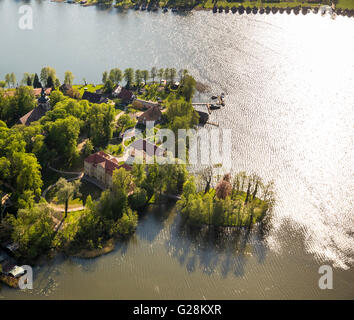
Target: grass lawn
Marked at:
90, 88
345, 4
258, 4
115, 149
85, 190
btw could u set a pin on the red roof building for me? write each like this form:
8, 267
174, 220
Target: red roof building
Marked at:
101, 165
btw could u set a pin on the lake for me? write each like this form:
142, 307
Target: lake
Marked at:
288, 82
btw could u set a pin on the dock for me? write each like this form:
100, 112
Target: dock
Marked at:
207, 105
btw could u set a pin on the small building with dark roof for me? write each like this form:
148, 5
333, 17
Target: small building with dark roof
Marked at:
144, 149
65, 88
123, 94
152, 114
94, 97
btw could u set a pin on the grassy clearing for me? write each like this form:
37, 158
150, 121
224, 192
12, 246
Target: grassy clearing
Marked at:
345, 4
115, 149
90, 88
259, 4
85, 190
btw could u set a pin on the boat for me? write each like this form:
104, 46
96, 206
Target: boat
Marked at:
214, 106
165, 9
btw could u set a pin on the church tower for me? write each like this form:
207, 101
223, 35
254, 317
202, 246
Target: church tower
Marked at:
43, 101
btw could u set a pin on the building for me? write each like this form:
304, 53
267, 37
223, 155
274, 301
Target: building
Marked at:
38, 112
152, 114
101, 165
94, 97
124, 94
144, 104
38, 91
65, 88
144, 149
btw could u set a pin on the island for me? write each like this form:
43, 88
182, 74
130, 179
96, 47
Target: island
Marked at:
69, 181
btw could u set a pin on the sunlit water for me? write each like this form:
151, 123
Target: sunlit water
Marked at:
289, 85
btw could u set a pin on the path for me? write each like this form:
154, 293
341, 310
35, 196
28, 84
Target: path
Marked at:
79, 175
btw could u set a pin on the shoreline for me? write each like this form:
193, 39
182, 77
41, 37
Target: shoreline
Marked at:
232, 7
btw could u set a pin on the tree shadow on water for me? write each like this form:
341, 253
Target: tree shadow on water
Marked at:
214, 251
152, 221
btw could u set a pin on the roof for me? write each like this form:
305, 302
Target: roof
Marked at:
38, 91
146, 103
65, 87
94, 97
17, 271
125, 94
108, 162
9, 93
33, 115
148, 147
152, 114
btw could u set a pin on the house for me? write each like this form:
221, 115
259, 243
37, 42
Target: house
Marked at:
122, 93
101, 165
145, 149
94, 97
65, 88
37, 91
144, 104
38, 112
152, 114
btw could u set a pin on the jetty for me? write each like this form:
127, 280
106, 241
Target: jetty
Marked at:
212, 106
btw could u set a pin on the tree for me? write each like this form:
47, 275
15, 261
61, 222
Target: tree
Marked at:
36, 83
8, 79
138, 199
15, 107
55, 97
129, 76
108, 86
27, 171
153, 73
182, 73
26, 80
224, 188
207, 176
160, 74
181, 115
66, 191
88, 148
50, 82
138, 77
100, 123
104, 77
62, 136
145, 75
57, 83
172, 75
139, 174
116, 75
33, 230
12, 79
2, 84
166, 74
127, 223
187, 87
69, 78
47, 72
